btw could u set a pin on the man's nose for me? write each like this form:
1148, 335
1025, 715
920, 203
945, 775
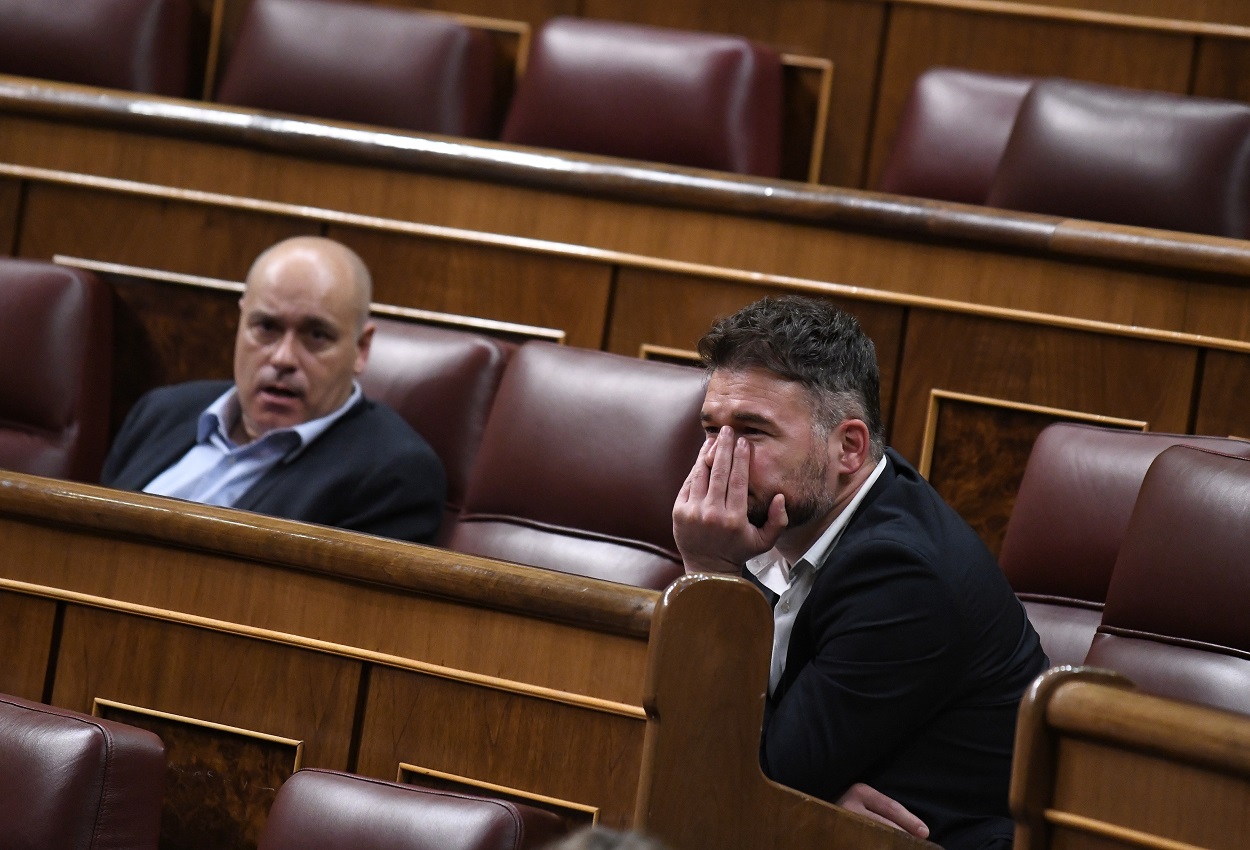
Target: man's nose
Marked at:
284, 352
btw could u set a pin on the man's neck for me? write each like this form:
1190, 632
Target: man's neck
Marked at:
794, 543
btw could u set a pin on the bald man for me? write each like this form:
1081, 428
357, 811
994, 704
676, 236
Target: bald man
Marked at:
293, 436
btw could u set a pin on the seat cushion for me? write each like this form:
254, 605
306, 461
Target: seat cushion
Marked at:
1119, 155
362, 62
74, 782
328, 810
953, 133
671, 96
139, 45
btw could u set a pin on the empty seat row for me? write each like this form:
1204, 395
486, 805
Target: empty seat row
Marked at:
558, 457
684, 98
1129, 552
1075, 149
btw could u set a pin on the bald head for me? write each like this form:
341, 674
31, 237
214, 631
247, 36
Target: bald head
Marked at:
304, 334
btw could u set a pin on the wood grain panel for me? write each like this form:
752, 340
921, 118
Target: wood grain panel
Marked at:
150, 232
165, 335
845, 31
1220, 68
219, 678
575, 754
1036, 364
921, 37
691, 304
10, 204
486, 282
26, 626
1222, 407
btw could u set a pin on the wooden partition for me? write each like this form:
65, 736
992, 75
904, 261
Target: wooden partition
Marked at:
1101, 767
254, 645
966, 387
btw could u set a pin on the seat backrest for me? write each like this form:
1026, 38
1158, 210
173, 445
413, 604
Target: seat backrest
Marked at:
672, 96
75, 782
56, 337
442, 382
583, 455
363, 62
1124, 156
139, 45
1069, 520
1175, 620
952, 134
329, 810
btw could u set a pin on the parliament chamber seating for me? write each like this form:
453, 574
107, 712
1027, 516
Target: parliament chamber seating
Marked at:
331, 810
138, 45
951, 137
1150, 159
70, 781
583, 454
1069, 521
1175, 618
670, 96
56, 342
443, 383
351, 61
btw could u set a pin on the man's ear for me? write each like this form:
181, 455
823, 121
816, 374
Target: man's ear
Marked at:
363, 343
850, 446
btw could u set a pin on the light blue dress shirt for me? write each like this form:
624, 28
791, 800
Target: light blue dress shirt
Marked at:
216, 471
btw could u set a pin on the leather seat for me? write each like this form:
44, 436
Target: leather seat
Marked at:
329, 810
56, 322
952, 134
73, 782
139, 45
362, 62
1175, 620
443, 383
683, 98
1110, 154
1069, 522
583, 455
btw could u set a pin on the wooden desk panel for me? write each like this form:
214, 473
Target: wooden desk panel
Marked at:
27, 626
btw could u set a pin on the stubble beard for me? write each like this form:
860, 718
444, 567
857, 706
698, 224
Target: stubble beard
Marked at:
812, 499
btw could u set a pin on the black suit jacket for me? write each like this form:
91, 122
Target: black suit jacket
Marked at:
906, 667
368, 472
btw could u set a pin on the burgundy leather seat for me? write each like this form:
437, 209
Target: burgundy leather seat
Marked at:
1069, 521
363, 62
140, 45
73, 782
443, 383
670, 96
1175, 620
56, 338
583, 455
328, 810
1118, 155
953, 133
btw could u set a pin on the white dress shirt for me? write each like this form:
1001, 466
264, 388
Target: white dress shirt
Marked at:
792, 584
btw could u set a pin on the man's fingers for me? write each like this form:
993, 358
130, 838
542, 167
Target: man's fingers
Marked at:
695, 485
722, 464
739, 478
871, 803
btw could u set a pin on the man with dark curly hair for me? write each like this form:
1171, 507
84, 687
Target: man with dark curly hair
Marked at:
900, 652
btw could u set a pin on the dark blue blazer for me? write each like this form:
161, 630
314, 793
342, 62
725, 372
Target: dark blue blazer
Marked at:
906, 667
368, 472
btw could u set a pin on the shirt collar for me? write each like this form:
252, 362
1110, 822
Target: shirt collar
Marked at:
224, 411
771, 567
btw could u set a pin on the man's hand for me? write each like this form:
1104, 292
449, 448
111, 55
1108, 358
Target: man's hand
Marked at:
710, 522
871, 803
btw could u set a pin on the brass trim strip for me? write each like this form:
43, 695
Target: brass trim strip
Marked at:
577, 252
270, 636
98, 702
495, 788
936, 396
650, 351
1087, 16
824, 98
1110, 831
431, 317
